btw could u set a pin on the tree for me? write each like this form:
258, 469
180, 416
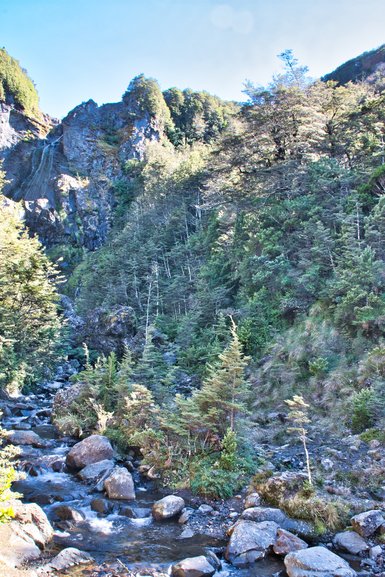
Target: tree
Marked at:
29, 322
299, 417
223, 395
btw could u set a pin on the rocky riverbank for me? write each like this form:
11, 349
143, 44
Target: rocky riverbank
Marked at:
90, 512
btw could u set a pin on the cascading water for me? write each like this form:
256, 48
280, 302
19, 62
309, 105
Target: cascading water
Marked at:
41, 173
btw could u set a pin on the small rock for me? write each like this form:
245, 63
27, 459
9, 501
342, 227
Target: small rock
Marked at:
287, 542
205, 509
186, 514
167, 507
252, 500
193, 567
327, 464
351, 542
120, 485
367, 523
187, 533
317, 562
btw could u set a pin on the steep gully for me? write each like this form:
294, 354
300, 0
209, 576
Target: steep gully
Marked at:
137, 543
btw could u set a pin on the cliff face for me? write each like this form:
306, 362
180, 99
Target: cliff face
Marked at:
65, 172
360, 68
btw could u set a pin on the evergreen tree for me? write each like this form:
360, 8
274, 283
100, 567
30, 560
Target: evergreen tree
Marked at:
29, 323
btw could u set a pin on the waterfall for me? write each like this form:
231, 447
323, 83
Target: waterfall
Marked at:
37, 186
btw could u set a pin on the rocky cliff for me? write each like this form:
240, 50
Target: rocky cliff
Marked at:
363, 67
65, 172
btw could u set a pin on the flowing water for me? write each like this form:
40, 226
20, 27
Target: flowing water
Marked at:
137, 542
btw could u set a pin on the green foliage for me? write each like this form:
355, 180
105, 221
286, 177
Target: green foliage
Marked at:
145, 95
362, 417
16, 87
8, 475
29, 323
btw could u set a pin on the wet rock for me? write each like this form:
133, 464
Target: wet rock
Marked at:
250, 541
193, 567
91, 450
259, 514
92, 473
120, 485
67, 513
351, 542
316, 562
186, 514
101, 506
286, 542
68, 558
127, 512
252, 500
167, 507
27, 438
205, 509
187, 533
365, 524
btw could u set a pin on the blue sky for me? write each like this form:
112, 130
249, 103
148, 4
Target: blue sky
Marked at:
80, 49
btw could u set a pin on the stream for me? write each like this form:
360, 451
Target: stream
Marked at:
138, 542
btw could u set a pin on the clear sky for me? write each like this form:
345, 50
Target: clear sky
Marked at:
80, 49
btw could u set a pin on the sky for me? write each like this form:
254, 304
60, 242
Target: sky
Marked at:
75, 50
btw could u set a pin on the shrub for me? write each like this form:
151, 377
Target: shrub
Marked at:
362, 415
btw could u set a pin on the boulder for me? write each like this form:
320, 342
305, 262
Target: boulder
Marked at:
27, 438
167, 507
120, 485
252, 500
22, 538
101, 506
91, 450
67, 513
259, 514
316, 562
287, 542
351, 542
68, 558
92, 473
193, 567
365, 524
250, 541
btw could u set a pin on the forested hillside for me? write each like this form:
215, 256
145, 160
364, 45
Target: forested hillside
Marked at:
221, 259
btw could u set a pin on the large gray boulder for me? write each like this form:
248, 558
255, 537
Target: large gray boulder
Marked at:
68, 558
250, 541
91, 450
120, 485
92, 473
351, 542
193, 567
317, 562
23, 538
27, 438
167, 507
365, 524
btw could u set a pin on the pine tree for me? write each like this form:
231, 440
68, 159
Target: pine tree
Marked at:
223, 395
